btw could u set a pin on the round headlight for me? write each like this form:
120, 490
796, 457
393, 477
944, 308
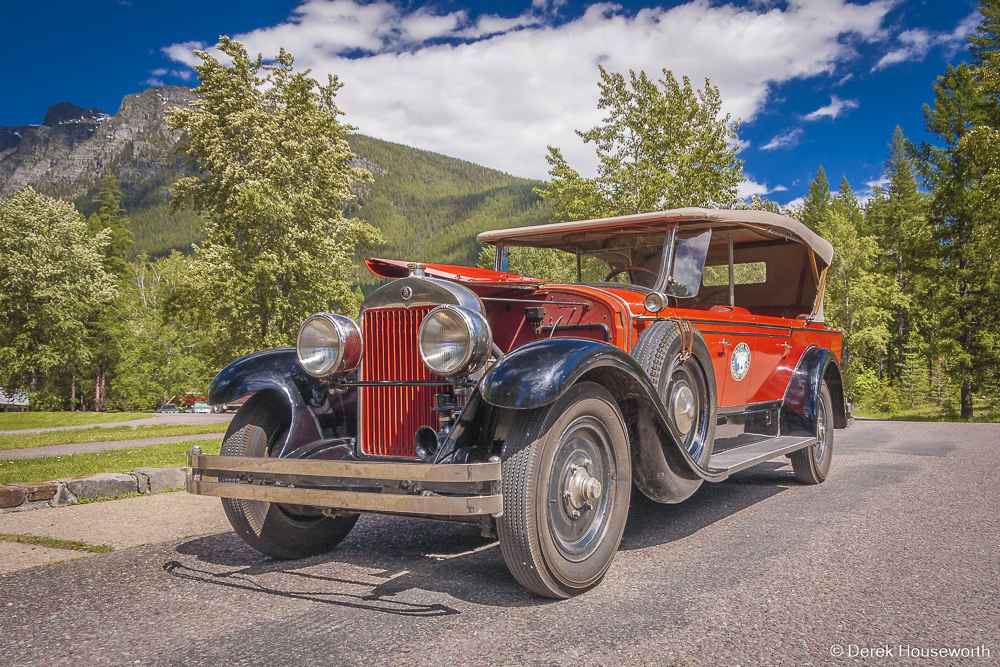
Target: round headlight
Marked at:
655, 302
454, 340
329, 345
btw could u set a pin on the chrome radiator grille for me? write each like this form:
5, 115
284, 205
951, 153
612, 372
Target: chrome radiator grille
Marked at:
391, 415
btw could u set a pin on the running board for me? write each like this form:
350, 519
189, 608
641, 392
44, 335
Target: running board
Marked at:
733, 460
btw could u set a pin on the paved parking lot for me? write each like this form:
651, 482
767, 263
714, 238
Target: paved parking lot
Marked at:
898, 551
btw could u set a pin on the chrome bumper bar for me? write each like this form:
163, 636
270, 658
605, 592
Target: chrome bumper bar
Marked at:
467, 489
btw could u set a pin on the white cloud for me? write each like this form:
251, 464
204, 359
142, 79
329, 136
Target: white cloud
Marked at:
497, 90
798, 202
788, 139
915, 44
832, 110
751, 187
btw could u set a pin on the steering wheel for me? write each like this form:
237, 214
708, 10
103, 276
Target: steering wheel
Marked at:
614, 273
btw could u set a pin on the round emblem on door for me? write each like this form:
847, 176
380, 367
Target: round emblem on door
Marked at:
739, 365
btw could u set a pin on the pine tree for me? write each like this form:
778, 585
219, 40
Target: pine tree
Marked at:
964, 235
817, 202
896, 215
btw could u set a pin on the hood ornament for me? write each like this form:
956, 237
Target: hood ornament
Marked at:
417, 270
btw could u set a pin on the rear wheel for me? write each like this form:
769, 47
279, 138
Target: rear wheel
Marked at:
566, 483
279, 531
812, 464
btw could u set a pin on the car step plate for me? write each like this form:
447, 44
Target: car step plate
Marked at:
740, 458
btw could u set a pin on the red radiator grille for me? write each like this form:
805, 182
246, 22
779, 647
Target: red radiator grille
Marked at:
391, 415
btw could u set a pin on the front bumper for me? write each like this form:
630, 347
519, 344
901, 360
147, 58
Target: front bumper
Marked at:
420, 489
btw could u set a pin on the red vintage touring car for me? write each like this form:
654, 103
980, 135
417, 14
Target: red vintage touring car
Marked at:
483, 396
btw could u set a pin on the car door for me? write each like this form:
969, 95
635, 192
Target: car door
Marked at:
730, 337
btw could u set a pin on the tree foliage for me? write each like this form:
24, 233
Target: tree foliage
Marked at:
274, 174
662, 145
52, 280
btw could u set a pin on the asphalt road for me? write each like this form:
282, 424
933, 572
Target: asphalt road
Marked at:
898, 550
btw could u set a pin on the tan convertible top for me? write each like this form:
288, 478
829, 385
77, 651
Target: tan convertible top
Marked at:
576, 236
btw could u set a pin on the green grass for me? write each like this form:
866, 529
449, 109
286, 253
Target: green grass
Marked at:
16, 421
932, 413
109, 434
47, 468
56, 544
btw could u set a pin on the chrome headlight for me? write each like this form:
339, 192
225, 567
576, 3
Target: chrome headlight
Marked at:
454, 340
655, 302
329, 345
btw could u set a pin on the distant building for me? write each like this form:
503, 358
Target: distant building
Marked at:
15, 403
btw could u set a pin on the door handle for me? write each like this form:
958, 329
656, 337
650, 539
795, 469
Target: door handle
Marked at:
787, 347
725, 343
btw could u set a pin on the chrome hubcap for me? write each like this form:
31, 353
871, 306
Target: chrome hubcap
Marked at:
820, 449
682, 408
581, 489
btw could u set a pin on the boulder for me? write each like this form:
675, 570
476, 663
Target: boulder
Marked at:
102, 486
162, 479
39, 490
12, 496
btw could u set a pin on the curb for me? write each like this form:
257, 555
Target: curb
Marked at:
59, 493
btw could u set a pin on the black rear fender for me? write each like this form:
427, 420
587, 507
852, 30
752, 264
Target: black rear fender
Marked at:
316, 413
798, 410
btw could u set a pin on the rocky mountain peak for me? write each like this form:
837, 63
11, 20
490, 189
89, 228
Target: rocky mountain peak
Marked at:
64, 112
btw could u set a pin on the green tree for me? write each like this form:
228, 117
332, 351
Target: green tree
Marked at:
965, 235
159, 356
107, 328
857, 295
111, 217
274, 174
52, 279
660, 146
896, 216
817, 201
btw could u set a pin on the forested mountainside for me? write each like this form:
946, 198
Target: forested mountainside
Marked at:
428, 206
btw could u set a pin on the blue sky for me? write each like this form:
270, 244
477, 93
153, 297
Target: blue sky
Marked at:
816, 81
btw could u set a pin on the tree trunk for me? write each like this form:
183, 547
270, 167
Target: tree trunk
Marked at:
967, 399
72, 395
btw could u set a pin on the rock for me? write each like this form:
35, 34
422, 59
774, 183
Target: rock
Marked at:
12, 496
162, 479
92, 487
142, 481
62, 497
39, 490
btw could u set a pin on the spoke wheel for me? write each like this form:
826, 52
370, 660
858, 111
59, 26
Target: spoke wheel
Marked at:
566, 483
812, 464
277, 530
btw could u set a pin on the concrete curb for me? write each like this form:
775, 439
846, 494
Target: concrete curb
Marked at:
61, 492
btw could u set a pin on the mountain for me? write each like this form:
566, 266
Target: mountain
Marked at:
428, 206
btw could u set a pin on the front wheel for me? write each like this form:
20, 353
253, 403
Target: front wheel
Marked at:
566, 483
279, 531
811, 465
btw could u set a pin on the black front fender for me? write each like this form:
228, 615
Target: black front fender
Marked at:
538, 373
315, 412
